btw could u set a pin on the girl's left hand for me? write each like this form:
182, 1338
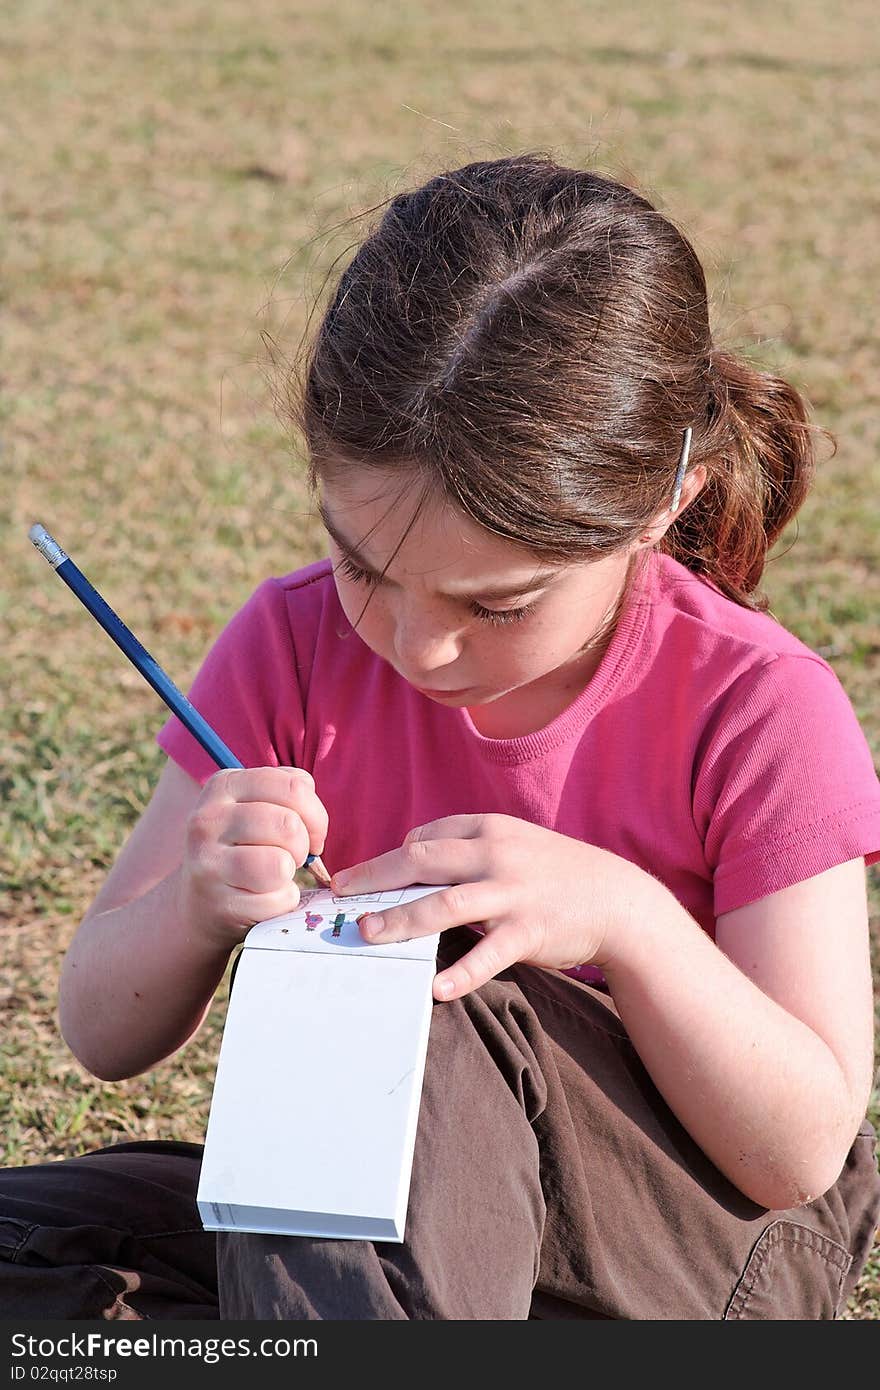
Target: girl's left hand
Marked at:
540, 897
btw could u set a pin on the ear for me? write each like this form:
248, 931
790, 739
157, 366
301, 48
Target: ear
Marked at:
692, 484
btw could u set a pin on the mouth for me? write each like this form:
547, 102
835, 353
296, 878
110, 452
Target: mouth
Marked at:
442, 694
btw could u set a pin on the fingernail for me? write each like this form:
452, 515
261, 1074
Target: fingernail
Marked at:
341, 879
445, 988
370, 923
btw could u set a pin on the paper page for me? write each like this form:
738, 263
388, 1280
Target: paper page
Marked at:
316, 1098
326, 922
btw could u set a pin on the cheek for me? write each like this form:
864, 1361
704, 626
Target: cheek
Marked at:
548, 641
516, 654
352, 599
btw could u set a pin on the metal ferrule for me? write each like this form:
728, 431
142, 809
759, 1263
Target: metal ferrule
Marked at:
48, 548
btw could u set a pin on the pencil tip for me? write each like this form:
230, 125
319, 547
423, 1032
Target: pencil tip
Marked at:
319, 873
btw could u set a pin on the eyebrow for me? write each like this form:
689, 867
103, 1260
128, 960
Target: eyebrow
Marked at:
498, 591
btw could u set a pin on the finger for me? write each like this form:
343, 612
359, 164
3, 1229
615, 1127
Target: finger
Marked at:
257, 868
460, 905
246, 909
262, 823
281, 784
449, 828
415, 861
494, 952
291, 787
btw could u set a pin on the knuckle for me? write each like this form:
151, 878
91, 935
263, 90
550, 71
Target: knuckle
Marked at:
298, 781
201, 827
221, 783
491, 959
453, 901
287, 824
465, 969
417, 852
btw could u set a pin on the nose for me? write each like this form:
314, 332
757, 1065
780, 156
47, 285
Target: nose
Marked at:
423, 645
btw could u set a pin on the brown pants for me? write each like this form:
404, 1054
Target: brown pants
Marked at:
550, 1180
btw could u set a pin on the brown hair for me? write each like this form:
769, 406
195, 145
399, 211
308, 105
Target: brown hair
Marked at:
531, 341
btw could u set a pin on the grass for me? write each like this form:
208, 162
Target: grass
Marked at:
173, 180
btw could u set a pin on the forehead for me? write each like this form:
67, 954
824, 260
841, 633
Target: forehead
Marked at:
399, 515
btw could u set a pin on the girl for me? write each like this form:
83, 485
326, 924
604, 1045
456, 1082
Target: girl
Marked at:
535, 668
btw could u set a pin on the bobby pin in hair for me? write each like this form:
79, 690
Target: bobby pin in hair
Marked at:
682, 466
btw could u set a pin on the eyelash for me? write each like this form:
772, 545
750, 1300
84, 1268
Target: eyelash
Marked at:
489, 615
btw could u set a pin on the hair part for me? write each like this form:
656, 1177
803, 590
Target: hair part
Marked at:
532, 340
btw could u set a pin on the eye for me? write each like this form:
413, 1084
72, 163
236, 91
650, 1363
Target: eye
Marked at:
351, 571
498, 617
495, 617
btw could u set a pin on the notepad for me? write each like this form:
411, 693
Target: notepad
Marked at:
315, 1105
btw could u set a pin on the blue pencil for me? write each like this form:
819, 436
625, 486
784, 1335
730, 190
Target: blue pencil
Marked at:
148, 667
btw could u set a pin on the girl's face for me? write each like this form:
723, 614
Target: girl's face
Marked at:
465, 616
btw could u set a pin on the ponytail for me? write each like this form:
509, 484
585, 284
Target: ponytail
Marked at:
760, 460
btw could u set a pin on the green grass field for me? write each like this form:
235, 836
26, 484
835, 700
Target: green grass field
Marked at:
172, 180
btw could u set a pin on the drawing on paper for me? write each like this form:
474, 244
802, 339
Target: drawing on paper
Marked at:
386, 896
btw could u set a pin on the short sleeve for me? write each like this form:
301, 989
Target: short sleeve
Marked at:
247, 689
785, 786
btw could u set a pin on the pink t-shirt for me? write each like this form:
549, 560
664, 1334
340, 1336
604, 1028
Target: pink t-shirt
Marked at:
711, 747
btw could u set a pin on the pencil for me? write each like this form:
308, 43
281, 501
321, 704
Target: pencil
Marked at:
149, 668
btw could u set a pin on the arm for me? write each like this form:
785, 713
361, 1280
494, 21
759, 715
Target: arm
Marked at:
761, 1043
201, 866
135, 983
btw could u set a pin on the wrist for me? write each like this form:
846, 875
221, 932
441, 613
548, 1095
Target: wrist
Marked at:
201, 929
642, 905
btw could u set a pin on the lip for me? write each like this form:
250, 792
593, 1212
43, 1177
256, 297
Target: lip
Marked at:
422, 691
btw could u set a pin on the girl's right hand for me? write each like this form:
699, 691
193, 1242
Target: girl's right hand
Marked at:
249, 831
